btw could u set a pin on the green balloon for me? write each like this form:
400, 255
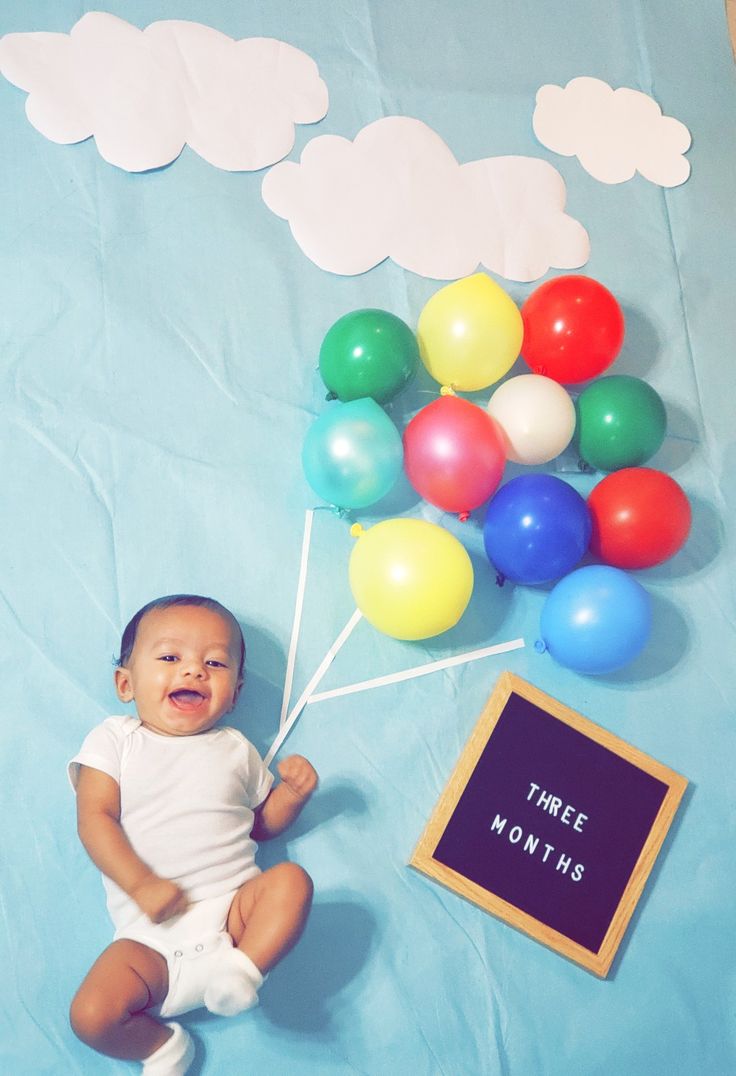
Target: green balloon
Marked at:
368, 353
621, 422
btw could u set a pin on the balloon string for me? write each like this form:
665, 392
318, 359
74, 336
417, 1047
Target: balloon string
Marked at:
298, 607
302, 701
418, 670
341, 513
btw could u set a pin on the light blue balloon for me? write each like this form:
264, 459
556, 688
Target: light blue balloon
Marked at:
352, 454
595, 620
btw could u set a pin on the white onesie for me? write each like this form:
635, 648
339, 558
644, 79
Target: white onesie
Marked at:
186, 806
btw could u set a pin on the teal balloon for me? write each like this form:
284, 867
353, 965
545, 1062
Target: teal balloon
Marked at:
352, 454
368, 353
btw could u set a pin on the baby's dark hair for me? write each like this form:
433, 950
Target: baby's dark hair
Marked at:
131, 629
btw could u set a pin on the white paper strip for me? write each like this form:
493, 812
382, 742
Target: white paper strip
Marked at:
298, 606
418, 670
323, 667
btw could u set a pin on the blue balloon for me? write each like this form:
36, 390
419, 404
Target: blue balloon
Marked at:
596, 620
536, 529
352, 454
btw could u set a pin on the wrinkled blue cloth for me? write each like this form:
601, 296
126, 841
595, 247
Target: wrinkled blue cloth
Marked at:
159, 343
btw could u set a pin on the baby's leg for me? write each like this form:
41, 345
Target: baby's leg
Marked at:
266, 917
268, 914
107, 1012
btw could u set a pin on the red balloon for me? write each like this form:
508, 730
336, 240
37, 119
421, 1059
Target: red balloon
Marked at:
640, 518
573, 329
454, 454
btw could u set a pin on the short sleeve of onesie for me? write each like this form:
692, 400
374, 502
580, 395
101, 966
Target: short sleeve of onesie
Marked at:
257, 778
102, 748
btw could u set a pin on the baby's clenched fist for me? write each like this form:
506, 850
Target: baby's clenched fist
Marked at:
159, 898
298, 775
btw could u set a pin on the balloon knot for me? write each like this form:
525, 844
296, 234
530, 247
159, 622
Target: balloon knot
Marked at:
500, 579
542, 370
463, 516
447, 390
540, 646
356, 530
341, 513
331, 396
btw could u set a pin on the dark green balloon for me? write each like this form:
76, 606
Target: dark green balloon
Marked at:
621, 422
368, 353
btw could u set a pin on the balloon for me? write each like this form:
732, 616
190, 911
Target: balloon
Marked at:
536, 415
410, 579
352, 454
573, 329
596, 620
621, 422
640, 518
454, 454
537, 528
368, 353
469, 333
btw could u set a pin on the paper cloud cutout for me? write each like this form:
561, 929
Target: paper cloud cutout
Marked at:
398, 192
613, 133
144, 94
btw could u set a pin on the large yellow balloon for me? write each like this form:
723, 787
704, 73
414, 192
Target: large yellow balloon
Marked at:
470, 333
410, 579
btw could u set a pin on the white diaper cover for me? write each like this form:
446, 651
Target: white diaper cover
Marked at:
195, 945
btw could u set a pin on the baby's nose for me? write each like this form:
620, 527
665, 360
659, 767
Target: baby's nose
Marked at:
195, 669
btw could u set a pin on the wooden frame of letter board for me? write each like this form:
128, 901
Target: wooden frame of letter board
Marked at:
423, 857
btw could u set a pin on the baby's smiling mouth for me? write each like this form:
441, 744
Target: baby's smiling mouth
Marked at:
186, 700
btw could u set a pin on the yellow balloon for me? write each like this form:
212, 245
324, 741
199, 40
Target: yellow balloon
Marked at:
410, 579
470, 333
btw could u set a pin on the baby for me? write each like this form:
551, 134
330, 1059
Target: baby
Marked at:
169, 807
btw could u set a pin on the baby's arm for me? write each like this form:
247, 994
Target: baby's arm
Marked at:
285, 801
98, 825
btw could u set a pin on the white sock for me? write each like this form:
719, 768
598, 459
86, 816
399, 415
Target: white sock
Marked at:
174, 1057
234, 985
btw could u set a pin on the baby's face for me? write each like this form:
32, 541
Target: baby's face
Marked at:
183, 672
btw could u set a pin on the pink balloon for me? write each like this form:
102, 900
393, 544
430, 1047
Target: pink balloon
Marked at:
454, 454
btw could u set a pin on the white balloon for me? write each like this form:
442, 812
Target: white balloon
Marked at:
537, 417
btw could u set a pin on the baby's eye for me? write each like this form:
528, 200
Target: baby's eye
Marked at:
217, 664
168, 657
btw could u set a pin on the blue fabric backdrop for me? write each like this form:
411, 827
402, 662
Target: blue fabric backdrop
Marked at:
159, 339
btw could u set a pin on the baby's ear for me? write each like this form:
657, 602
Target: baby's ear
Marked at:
123, 685
236, 693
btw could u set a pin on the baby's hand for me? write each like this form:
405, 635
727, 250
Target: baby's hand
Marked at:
299, 776
159, 898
